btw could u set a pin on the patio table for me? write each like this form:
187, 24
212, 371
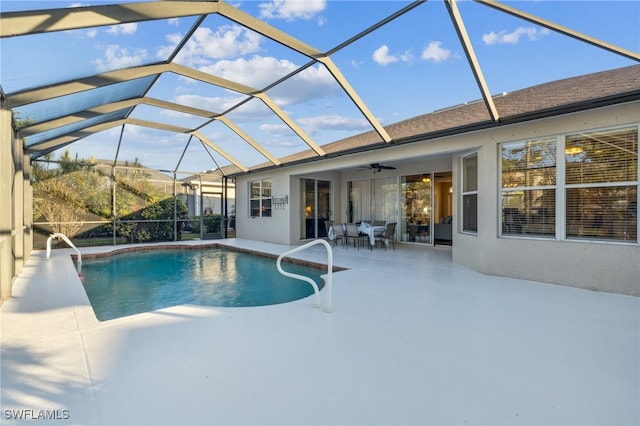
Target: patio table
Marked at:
372, 231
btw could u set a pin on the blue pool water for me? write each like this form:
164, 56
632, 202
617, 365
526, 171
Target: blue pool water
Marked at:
131, 283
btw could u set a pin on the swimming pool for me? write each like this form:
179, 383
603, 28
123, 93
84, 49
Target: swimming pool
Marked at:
131, 283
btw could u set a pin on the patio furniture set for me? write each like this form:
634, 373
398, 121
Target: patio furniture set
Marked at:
361, 233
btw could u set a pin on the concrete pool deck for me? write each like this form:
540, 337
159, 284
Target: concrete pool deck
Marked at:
413, 338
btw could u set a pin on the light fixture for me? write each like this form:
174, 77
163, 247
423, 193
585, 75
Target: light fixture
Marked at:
426, 179
573, 150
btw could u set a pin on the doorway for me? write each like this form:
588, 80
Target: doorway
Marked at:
417, 202
427, 208
443, 208
316, 208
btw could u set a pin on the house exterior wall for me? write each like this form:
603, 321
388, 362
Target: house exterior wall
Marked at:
605, 266
273, 229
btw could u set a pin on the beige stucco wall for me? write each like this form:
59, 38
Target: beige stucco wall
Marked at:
272, 229
283, 227
611, 267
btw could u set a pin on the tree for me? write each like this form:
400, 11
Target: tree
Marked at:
75, 191
68, 194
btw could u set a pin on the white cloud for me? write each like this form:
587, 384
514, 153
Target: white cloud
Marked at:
256, 72
289, 143
313, 125
260, 71
214, 104
174, 21
116, 57
292, 9
276, 129
406, 56
434, 52
217, 53
228, 41
513, 37
163, 52
382, 56
128, 29
313, 83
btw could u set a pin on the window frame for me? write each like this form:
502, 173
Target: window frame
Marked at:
264, 200
470, 193
528, 187
598, 185
562, 188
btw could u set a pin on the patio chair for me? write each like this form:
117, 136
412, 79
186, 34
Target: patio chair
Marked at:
352, 234
340, 231
388, 235
328, 224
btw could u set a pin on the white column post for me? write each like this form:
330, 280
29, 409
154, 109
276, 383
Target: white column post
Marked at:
6, 206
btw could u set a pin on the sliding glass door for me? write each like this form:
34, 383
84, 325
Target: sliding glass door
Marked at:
427, 208
373, 199
359, 203
421, 204
417, 209
316, 207
384, 194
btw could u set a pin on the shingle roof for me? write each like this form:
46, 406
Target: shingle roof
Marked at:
549, 99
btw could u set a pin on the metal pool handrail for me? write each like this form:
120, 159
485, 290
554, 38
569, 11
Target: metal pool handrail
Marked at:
68, 241
329, 280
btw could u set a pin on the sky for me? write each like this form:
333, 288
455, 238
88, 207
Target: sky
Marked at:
413, 65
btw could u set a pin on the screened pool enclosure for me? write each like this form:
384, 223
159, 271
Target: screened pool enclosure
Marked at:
126, 122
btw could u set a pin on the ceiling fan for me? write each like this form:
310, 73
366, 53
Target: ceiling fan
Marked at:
377, 167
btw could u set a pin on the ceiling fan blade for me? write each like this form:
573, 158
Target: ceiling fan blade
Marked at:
378, 166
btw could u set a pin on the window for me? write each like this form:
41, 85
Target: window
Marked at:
260, 198
470, 193
528, 190
595, 186
602, 185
